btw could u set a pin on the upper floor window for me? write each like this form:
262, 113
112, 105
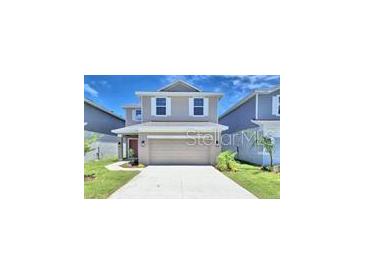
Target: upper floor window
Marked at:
198, 106
160, 106
137, 115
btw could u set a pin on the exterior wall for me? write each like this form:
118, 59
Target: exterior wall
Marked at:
241, 117
276, 154
105, 147
129, 117
265, 106
241, 143
179, 111
100, 121
144, 151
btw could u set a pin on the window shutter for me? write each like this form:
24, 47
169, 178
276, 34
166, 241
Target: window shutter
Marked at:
274, 105
133, 114
153, 106
191, 106
206, 106
168, 106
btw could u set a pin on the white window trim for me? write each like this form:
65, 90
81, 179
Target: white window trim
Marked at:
166, 107
275, 105
193, 105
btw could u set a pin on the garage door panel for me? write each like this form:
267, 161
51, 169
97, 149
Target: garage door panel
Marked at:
178, 152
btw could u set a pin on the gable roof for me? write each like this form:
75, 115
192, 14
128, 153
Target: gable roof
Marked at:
248, 97
169, 87
91, 103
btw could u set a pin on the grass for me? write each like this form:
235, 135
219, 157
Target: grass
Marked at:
263, 184
106, 181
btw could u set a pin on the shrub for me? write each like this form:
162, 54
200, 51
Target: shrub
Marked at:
233, 165
140, 166
225, 161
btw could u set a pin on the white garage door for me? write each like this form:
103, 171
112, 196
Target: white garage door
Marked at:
178, 152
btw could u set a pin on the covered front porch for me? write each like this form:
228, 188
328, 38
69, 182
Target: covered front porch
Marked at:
129, 146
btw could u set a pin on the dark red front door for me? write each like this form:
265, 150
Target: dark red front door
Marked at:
133, 144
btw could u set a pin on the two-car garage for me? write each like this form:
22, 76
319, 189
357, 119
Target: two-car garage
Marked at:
178, 152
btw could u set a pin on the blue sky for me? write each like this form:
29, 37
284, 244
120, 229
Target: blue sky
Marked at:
113, 91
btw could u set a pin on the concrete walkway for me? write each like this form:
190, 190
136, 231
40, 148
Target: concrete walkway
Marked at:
117, 166
189, 182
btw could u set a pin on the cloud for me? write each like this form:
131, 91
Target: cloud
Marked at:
235, 87
192, 79
89, 90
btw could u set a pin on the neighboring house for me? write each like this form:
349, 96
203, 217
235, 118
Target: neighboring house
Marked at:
257, 113
177, 124
100, 121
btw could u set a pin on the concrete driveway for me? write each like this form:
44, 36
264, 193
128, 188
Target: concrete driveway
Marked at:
189, 182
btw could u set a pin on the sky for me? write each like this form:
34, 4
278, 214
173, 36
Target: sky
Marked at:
114, 91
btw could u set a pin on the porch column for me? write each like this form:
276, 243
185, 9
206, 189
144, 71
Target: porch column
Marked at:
120, 147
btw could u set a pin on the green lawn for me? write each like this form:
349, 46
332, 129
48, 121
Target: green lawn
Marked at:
106, 181
263, 184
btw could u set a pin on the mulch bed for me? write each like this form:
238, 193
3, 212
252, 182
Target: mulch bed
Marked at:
89, 177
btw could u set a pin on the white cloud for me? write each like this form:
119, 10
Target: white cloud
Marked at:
90, 90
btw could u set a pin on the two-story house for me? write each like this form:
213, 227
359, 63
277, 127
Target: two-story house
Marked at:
177, 124
100, 121
257, 113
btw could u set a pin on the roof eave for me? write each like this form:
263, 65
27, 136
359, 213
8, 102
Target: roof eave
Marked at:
87, 101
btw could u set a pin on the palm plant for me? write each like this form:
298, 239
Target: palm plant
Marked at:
267, 142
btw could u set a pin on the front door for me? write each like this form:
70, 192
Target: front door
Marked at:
133, 144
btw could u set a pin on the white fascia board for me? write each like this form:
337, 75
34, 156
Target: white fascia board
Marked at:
177, 94
181, 129
126, 130
175, 137
266, 122
167, 129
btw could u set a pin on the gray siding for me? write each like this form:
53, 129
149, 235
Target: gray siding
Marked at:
242, 144
100, 121
105, 147
241, 117
275, 156
129, 117
179, 110
265, 106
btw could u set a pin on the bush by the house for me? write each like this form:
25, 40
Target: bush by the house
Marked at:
233, 165
226, 161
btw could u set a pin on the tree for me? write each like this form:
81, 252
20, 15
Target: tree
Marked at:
88, 141
267, 142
